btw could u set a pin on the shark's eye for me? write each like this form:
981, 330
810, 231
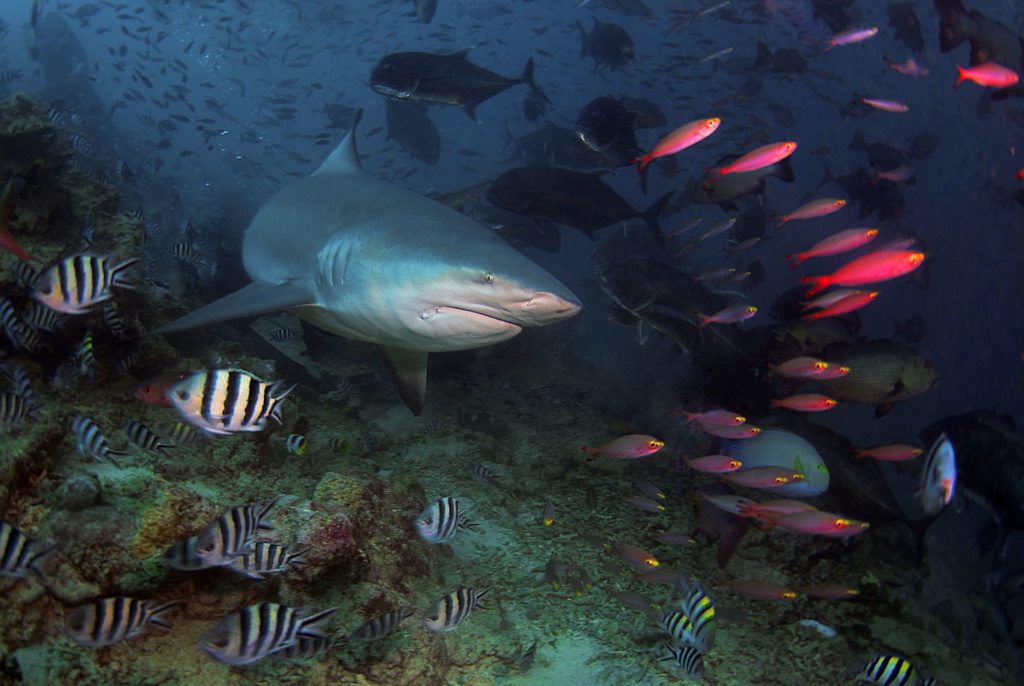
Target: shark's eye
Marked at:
489, 279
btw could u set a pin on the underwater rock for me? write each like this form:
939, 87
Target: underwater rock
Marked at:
78, 492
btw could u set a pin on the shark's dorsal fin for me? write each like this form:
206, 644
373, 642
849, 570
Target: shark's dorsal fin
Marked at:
344, 159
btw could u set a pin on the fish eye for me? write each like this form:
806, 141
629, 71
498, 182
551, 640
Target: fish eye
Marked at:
651, 562
182, 395
735, 464
489, 279
842, 523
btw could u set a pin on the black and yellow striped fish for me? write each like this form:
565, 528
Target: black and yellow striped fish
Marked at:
232, 533
450, 610
227, 401
76, 283
256, 631
267, 558
890, 670
107, 621
19, 554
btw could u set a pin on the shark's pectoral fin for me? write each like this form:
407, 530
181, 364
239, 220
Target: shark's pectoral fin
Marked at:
409, 370
255, 299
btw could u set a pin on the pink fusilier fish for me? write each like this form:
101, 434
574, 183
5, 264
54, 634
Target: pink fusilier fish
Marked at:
638, 558
734, 314
805, 402
821, 523
628, 447
679, 140
770, 510
715, 417
836, 244
829, 299
799, 368
732, 432
898, 175
713, 464
834, 371
850, 303
908, 68
988, 74
764, 477
895, 452
829, 590
875, 267
812, 210
733, 504
894, 106
850, 37
765, 156
759, 590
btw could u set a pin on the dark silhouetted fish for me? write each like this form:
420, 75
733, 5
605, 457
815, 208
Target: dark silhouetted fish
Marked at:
990, 41
555, 146
424, 10
534, 106
883, 197
646, 114
882, 373
443, 79
603, 122
575, 199
903, 18
783, 61
411, 128
608, 44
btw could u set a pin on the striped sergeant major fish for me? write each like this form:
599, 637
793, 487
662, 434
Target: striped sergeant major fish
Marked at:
888, 670
112, 319
686, 661
76, 283
441, 520
232, 533
178, 433
308, 647
91, 442
382, 625
295, 444
227, 401
14, 409
256, 631
23, 385
267, 558
182, 555
18, 333
25, 274
20, 555
144, 437
42, 318
107, 621
700, 611
451, 609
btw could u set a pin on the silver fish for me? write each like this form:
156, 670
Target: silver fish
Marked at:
267, 558
232, 533
107, 621
441, 520
19, 554
451, 609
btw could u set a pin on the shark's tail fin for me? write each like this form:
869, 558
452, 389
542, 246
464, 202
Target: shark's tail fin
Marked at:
953, 21
527, 78
583, 39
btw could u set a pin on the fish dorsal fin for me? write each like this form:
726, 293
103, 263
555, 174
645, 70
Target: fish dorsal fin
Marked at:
462, 54
344, 159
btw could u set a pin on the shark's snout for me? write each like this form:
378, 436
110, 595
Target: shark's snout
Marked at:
545, 308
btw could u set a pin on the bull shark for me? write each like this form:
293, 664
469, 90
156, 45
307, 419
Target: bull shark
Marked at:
367, 260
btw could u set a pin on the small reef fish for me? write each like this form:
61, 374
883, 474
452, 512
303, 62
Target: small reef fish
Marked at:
850, 36
770, 510
256, 631
295, 444
988, 74
91, 442
732, 432
812, 210
799, 368
805, 402
227, 401
679, 140
144, 437
699, 611
762, 157
829, 591
182, 555
548, 516
21, 555
154, 390
76, 283
888, 670
764, 477
636, 601
836, 244
650, 490
107, 621
895, 452
441, 520
733, 504
628, 447
716, 418
821, 523
484, 475
685, 661
14, 409
453, 608
938, 478
645, 504
713, 464
734, 314
267, 558
892, 106
910, 67
759, 590
232, 533
875, 267
634, 556
382, 625
309, 647
178, 433
850, 303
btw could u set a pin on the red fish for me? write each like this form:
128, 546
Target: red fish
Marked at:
732, 432
812, 210
805, 402
764, 477
833, 372
821, 523
713, 464
765, 156
154, 390
716, 417
770, 510
988, 74
1019, 175
678, 140
890, 453
871, 268
851, 303
626, 447
836, 244
799, 368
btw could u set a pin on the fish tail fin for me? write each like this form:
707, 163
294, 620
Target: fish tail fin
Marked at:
782, 219
641, 162
817, 284
953, 20
583, 39
814, 316
527, 78
961, 76
796, 259
652, 213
